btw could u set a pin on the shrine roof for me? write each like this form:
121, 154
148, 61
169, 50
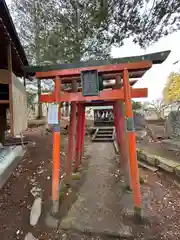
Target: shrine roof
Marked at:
102, 107
155, 58
8, 33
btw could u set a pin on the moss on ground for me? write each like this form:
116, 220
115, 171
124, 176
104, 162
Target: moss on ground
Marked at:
76, 176
63, 191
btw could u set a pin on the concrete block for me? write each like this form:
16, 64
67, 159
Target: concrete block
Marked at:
35, 211
152, 159
51, 221
9, 159
167, 164
177, 171
29, 236
144, 165
138, 152
142, 156
163, 163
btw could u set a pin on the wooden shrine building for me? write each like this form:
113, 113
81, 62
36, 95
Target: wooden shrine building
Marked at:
12, 91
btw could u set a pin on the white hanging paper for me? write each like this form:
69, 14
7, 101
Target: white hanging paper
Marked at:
53, 114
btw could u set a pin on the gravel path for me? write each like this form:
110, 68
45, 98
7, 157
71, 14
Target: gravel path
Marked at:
95, 208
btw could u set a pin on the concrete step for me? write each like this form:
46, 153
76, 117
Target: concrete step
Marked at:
104, 135
147, 166
108, 127
103, 140
105, 129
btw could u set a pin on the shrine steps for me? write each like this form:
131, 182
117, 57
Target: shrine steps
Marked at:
104, 134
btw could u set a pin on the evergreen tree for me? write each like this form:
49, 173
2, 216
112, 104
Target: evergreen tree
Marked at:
71, 30
33, 19
68, 30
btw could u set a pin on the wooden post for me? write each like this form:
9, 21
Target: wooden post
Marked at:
82, 133
132, 145
115, 123
24, 80
71, 137
56, 154
116, 111
9, 57
78, 137
121, 136
124, 153
3, 122
66, 109
39, 102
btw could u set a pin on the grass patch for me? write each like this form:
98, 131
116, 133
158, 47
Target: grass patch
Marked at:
63, 192
76, 176
141, 180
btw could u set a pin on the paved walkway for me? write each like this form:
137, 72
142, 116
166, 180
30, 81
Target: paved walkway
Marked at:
102, 205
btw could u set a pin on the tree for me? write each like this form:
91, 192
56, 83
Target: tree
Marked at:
172, 89
68, 30
33, 19
77, 34
87, 29
159, 18
158, 106
136, 105
73, 30
31, 102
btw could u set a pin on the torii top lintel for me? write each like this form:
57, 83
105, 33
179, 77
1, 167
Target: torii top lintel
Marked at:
111, 69
155, 58
108, 69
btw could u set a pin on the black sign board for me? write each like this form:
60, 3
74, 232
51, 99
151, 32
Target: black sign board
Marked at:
90, 83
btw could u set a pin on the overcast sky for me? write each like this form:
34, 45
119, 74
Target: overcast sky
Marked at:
155, 78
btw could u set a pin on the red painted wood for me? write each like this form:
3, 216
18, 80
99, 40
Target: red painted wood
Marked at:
56, 166
113, 68
82, 134
56, 155
78, 137
116, 122
107, 95
124, 154
71, 138
132, 145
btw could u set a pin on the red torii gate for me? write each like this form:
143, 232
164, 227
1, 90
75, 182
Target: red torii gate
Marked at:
124, 93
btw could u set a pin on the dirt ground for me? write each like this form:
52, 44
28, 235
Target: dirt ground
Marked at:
16, 199
158, 148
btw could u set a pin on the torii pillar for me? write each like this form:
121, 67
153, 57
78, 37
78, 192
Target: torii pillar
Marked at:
120, 125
